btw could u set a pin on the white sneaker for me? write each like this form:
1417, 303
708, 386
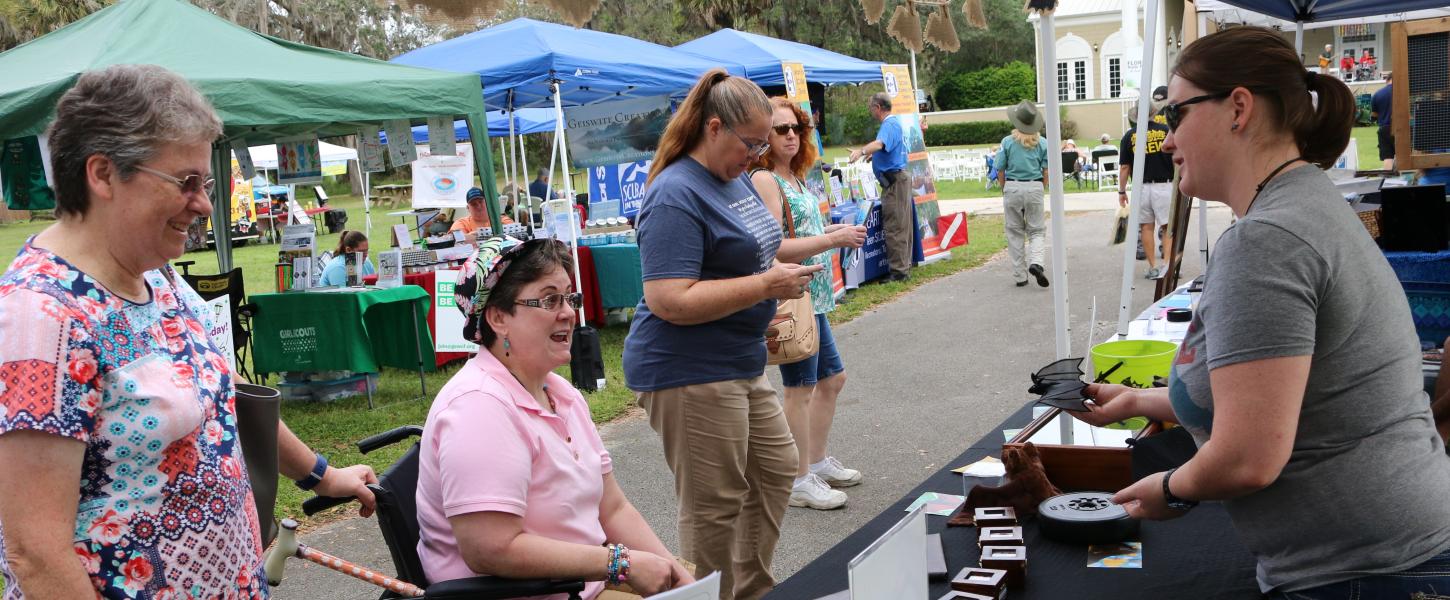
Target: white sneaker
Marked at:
836, 474
1152, 273
814, 493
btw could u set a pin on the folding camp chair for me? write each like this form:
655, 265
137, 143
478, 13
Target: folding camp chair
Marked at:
231, 285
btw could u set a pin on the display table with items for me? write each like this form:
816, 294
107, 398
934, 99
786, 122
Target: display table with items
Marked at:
427, 281
1053, 555
342, 329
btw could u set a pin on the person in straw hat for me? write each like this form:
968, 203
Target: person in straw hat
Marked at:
1021, 169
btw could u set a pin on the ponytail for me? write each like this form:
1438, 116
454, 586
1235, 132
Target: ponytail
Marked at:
1323, 134
733, 100
348, 239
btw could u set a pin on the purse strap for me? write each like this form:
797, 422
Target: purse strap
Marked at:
785, 206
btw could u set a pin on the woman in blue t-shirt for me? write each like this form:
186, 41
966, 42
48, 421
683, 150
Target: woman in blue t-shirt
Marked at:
811, 385
695, 355
335, 273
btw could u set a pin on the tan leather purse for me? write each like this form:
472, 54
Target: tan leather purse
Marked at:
792, 335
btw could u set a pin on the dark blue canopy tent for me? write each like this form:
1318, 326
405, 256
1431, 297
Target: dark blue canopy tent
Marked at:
521, 59
761, 55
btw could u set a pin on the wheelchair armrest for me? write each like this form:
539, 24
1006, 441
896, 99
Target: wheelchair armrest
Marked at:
488, 587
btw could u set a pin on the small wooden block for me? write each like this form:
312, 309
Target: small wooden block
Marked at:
995, 516
1000, 536
1012, 559
954, 595
987, 582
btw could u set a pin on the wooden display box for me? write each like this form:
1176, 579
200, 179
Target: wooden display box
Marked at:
1075, 468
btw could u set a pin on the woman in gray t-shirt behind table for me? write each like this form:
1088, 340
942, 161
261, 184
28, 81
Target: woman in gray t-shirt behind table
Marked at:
695, 355
1300, 374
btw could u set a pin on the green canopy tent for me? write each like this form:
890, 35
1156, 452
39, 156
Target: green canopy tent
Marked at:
263, 87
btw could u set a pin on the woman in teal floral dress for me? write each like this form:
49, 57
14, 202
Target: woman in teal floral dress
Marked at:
811, 385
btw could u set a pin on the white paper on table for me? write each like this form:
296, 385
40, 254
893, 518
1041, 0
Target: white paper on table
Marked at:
706, 588
987, 467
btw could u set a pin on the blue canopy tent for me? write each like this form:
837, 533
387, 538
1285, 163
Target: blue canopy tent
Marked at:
761, 56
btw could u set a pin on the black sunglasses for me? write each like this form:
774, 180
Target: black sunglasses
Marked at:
1173, 113
783, 129
551, 301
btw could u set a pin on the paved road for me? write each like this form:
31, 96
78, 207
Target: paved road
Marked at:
929, 374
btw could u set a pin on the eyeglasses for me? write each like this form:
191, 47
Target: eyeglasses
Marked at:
783, 129
551, 301
754, 150
1173, 113
190, 184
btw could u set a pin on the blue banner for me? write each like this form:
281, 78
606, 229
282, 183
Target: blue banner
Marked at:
623, 183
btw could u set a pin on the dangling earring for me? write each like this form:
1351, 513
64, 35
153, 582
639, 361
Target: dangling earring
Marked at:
506, 345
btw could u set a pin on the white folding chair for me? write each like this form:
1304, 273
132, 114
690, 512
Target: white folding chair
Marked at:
1108, 172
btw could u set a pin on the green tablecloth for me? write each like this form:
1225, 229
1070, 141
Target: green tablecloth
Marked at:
343, 330
621, 279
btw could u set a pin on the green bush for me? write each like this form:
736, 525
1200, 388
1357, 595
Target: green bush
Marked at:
965, 134
994, 86
850, 126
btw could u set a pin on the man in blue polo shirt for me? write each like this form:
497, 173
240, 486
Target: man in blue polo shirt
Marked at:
1380, 104
888, 162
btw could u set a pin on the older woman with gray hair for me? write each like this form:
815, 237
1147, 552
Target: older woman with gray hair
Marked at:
118, 440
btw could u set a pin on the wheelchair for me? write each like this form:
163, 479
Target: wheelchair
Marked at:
397, 517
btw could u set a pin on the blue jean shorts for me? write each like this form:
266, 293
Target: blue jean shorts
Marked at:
825, 363
1430, 577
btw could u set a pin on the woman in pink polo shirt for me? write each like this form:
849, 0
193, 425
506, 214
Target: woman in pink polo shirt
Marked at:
513, 479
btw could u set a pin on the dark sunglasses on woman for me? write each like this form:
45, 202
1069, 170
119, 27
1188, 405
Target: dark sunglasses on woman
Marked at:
783, 129
1173, 113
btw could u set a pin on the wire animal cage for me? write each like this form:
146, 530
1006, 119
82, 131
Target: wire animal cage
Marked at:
1421, 93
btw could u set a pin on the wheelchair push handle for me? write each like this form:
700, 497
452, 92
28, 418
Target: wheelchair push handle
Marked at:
317, 504
388, 438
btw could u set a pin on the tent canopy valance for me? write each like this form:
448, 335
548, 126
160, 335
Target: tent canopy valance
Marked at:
527, 121
1308, 11
523, 57
761, 56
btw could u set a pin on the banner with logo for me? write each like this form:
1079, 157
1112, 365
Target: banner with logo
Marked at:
299, 160
897, 79
623, 183
797, 92
612, 133
442, 181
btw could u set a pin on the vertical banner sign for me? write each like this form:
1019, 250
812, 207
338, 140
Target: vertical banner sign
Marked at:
1132, 72
440, 136
244, 158
442, 180
621, 131
370, 150
221, 327
797, 92
448, 319
923, 183
400, 142
299, 160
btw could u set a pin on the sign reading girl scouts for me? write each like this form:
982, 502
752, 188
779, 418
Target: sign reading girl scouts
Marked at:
442, 181
897, 79
299, 160
624, 183
612, 133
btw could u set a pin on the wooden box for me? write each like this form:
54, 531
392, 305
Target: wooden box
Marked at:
999, 536
1082, 468
987, 582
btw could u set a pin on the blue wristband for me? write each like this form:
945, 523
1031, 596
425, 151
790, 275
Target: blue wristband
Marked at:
315, 477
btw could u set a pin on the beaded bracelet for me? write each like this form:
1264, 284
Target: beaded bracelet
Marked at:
618, 570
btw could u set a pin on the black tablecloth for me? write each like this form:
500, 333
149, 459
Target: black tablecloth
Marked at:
1195, 556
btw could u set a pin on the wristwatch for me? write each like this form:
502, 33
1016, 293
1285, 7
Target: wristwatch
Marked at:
1174, 502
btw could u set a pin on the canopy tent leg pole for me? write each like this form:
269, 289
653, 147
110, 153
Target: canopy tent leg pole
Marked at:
1140, 157
523, 162
1054, 185
221, 206
508, 177
478, 138
568, 190
1299, 40
368, 202
913, 73
512, 157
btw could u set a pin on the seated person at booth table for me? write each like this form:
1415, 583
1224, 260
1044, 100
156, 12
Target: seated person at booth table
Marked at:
477, 217
335, 273
513, 479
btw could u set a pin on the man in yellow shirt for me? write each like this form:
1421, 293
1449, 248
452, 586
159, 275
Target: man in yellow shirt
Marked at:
477, 217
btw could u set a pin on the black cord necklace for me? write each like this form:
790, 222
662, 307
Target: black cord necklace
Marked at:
1260, 189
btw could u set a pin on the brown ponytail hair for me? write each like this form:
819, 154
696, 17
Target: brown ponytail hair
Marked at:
734, 100
1259, 60
348, 239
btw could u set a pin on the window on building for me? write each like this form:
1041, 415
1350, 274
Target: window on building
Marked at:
1079, 80
1115, 77
1062, 88
1072, 80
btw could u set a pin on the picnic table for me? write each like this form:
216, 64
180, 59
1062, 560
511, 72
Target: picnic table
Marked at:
393, 193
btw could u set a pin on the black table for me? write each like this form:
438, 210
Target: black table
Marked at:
1195, 556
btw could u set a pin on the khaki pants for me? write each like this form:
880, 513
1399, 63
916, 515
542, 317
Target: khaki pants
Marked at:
734, 461
896, 207
1024, 225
